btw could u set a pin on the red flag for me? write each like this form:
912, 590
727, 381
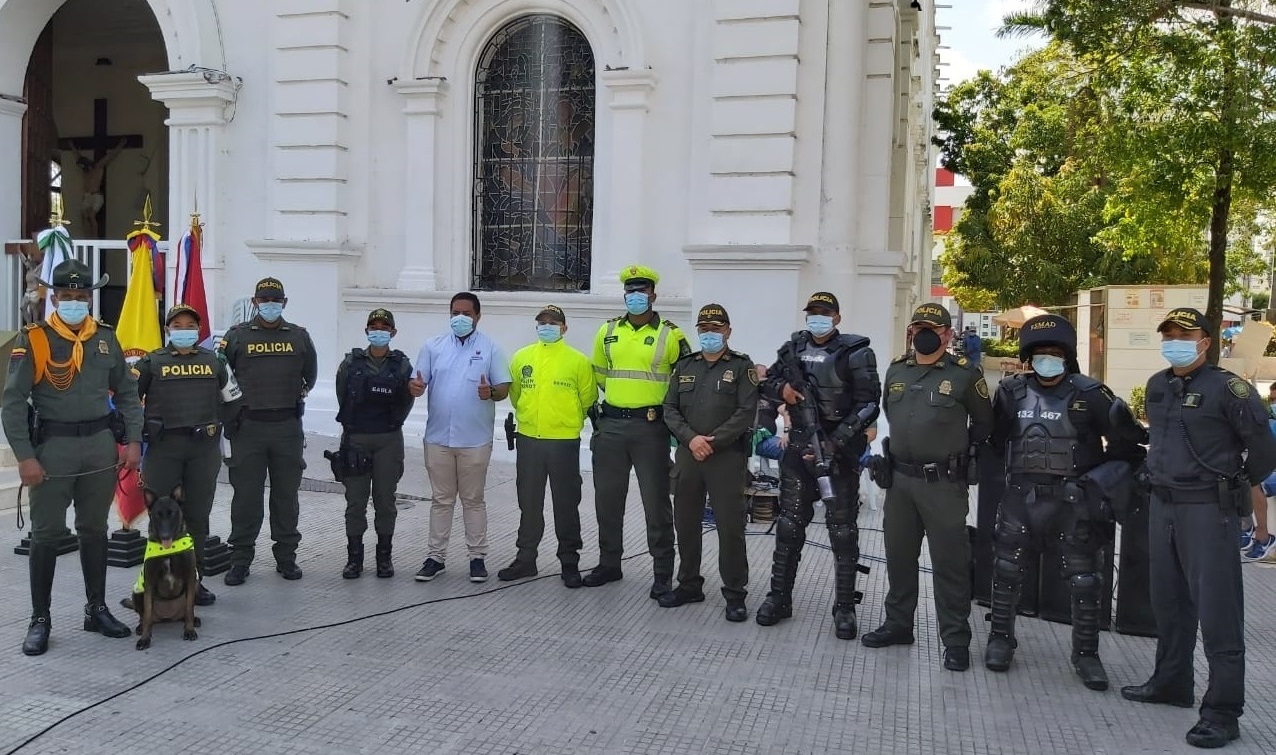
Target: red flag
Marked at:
130, 501
190, 277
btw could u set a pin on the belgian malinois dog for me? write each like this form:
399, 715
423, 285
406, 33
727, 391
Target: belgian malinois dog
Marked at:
169, 582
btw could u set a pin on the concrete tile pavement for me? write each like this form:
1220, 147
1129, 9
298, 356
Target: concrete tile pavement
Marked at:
533, 667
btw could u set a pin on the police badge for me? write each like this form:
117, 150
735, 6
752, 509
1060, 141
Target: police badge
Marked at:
946, 387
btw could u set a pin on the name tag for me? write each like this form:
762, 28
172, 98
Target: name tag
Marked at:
686, 378
1192, 400
611, 339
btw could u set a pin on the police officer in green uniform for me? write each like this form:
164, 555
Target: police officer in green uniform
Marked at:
633, 357
274, 361
375, 392
185, 386
61, 373
938, 408
709, 407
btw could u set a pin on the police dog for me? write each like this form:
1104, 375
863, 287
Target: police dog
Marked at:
169, 581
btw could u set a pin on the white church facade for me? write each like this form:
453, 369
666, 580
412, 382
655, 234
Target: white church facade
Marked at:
390, 154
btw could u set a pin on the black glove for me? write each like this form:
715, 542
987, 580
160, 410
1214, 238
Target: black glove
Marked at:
880, 472
845, 435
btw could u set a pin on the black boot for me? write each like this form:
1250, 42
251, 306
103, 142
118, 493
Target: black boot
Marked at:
1001, 633
844, 621
779, 601
1087, 593
385, 567
354, 559
97, 617
42, 561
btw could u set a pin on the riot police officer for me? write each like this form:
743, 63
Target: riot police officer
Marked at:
709, 407
938, 409
375, 392
55, 417
1210, 442
829, 381
185, 387
1052, 424
274, 361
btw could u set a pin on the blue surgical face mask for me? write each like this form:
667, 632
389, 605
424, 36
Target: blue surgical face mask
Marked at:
182, 338
379, 338
636, 302
819, 325
73, 312
270, 311
1047, 365
712, 343
1179, 353
549, 332
462, 325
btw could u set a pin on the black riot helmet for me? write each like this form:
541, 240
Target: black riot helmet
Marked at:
1049, 330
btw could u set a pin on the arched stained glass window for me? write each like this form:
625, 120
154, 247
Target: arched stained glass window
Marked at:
534, 161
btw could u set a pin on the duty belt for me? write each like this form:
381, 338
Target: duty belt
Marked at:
1179, 495
270, 415
195, 431
75, 429
933, 472
649, 413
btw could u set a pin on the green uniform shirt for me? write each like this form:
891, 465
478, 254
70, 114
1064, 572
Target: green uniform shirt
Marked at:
715, 398
935, 410
633, 364
103, 373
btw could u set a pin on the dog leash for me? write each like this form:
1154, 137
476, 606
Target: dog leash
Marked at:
22, 522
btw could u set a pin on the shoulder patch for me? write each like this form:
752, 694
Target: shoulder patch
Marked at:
753, 375
981, 387
1238, 387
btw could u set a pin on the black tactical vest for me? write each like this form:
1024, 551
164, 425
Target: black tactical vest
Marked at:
373, 393
269, 369
185, 388
1044, 439
826, 370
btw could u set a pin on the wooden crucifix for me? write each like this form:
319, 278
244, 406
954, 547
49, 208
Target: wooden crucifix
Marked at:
106, 147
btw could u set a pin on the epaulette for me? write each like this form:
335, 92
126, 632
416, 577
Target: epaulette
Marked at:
32, 326
740, 354
901, 358
617, 319
959, 361
104, 324
669, 323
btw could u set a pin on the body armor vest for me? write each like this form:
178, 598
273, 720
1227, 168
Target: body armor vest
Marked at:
1043, 439
269, 369
822, 365
373, 394
185, 388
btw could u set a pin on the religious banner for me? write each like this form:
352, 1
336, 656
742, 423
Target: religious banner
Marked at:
55, 243
139, 329
189, 286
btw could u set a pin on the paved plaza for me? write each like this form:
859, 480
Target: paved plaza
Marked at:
536, 668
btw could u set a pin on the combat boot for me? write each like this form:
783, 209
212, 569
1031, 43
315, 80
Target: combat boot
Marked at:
844, 621
776, 607
42, 561
97, 617
1086, 597
354, 559
999, 653
1090, 669
385, 567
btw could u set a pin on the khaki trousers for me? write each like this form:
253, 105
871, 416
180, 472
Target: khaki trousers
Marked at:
457, 472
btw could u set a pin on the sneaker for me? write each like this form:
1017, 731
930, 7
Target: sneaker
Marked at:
478, 571
1259, 550
429, 570
1247, 539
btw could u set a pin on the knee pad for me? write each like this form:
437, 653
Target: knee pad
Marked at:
1088, 582
789, 529
1006, 569
843, 536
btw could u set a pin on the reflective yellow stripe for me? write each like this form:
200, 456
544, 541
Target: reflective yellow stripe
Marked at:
657, 361
611, 329
655, 377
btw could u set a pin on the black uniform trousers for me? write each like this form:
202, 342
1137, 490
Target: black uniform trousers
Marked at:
382, 483
798, 493
619, 445
722, 477
178, 458
1196, 576
261, 448
557, 461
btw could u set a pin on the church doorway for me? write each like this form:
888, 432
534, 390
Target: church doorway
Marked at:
94, 141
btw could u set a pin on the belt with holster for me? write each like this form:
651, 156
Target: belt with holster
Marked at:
934, 472
649, 413
270, 415
50, 428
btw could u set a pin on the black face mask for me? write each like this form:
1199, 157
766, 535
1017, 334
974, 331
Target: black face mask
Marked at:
926, 342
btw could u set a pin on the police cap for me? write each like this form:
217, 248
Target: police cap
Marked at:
932, 314
182, 309
639, 274
1186, 318
822, 299
382, 314
554, 312
269, 288
713, 314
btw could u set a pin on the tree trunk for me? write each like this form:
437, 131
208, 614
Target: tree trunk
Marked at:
1220, 214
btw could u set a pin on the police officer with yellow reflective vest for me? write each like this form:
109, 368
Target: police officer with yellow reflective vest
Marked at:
375, 393
61, 373
938, 408
187, 391
633, 357
274, 361
829, 381
1209, 444
710, 406
553, 389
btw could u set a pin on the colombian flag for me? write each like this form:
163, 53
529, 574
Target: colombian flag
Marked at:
139, 329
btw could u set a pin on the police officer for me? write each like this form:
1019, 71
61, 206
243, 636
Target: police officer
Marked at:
375, 392
553, 389
938, 409
1210, 442
1052, 424
61, 372
274, 361
633, 357
185, 387
829, 381
710, 405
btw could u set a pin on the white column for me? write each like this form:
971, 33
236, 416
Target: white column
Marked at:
619, 171
11, 109
423, 104
761, 319
197, 108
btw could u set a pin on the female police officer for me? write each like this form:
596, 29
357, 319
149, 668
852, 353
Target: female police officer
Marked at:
184, 387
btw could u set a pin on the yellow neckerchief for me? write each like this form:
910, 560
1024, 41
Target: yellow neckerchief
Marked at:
157, 550
60, 374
